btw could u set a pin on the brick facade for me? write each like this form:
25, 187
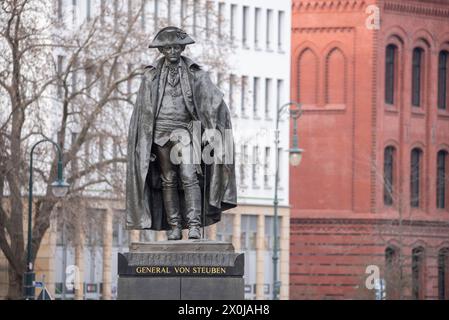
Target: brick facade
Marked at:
340, 222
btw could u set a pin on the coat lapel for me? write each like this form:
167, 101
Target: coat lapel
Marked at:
187, 92
160, 88
154, 85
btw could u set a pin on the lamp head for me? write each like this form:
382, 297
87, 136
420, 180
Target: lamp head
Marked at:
295, 155
60, 188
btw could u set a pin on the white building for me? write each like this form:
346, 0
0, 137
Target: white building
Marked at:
257, 33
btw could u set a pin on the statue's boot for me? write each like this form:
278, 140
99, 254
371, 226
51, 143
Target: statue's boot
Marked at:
193, 207
171, 203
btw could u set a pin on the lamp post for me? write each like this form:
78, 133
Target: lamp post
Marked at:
59, 188
295, 154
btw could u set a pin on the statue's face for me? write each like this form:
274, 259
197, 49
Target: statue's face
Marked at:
173, 52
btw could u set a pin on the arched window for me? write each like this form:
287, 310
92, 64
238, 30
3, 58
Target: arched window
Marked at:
443, 274
389, 168
307, 77
335, 85
418, 55
443, 96
415, 177
390, 73
418, 273
392, 273
441, 179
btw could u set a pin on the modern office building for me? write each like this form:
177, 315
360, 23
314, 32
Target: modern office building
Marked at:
255, 78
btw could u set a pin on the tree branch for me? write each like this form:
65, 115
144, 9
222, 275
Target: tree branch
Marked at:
96, 166
4, 220
87, 184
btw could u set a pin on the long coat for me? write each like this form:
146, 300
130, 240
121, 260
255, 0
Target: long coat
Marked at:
144, 202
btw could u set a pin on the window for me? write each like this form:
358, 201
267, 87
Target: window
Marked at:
231, 92
442, 80
94, 223
417, 76
252, 232
219, 80
279, 96
74, 163
156, 14
443, 274
130, 12
116, 12
244, 234
388, 175
221, 9
415, 169
392, 273
129, 83
269, 38
101, 148
418, 273
87, 152
102, 78
89, 75
183, 12
245, 17
74, 76
209, 5
268, 96
256, 90
115, 77
60, 15
266, 168
441, 179
143, 14
255, 165
169, 7
103, 10
224, 228
233, 21
65, 230
88, 10
115, 153
195, 17
269, 232
280, 161
390, 72
60, 66
249, 232
74, 11
257, 22
281, 15
243, 94
120, 236
243, 162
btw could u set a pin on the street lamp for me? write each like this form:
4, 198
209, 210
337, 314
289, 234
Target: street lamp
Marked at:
59, 189
295, 157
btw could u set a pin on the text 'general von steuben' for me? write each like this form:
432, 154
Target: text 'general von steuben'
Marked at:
180, 270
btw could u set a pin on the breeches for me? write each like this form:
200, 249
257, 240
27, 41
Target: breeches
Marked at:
170, 174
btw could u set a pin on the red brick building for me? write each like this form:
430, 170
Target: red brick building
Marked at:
373, 78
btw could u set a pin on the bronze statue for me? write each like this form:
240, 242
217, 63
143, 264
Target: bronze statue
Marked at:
161, 194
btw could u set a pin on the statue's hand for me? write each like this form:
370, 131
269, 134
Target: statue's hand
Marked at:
152, 157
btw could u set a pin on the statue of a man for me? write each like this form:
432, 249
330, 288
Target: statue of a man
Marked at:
163, 194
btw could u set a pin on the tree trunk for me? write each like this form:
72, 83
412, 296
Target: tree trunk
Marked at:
15, 285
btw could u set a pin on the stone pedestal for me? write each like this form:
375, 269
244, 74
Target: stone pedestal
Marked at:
181, 270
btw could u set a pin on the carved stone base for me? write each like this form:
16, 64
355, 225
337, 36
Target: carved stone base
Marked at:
181, 270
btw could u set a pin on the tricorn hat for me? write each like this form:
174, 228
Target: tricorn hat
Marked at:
170, 36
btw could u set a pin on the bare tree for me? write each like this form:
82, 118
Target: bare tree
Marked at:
71, 80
